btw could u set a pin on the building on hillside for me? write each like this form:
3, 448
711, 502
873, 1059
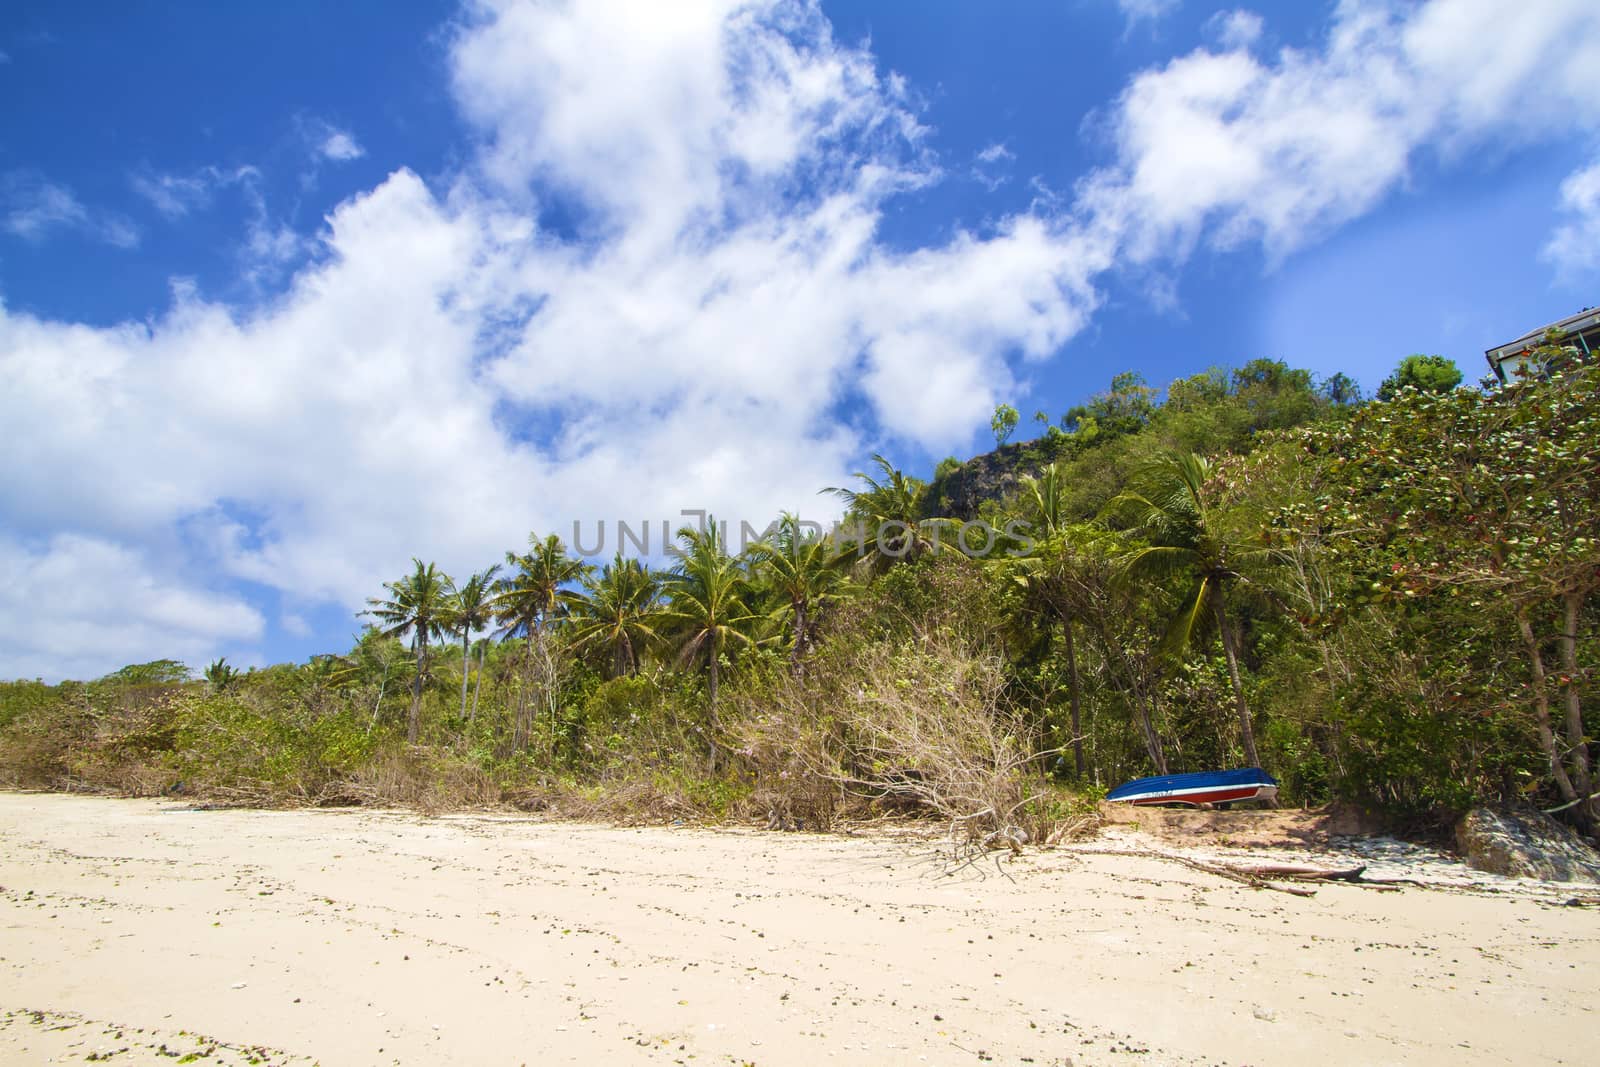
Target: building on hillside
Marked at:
1514, 359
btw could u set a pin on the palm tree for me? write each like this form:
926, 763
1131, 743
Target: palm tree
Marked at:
618, 611
221, 676
531, 599
1043, 574
418, 604
891, 504
708, 606
806, 572
1168, 500
472, 609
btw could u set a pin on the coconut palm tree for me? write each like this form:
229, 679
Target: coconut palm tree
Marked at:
418, 604
531, 599
471, 610
1167, 500
806, 572
619, 611
1044, 574
889, 505
708, 605
221, 676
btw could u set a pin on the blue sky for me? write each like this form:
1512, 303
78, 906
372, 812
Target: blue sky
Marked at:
292, 293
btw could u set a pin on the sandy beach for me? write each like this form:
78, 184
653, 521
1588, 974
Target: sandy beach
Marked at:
140, 931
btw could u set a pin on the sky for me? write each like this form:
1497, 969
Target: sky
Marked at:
293, 293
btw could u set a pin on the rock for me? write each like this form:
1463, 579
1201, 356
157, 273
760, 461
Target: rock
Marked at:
1526, 844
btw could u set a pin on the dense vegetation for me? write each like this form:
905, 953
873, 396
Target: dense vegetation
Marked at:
1388, 601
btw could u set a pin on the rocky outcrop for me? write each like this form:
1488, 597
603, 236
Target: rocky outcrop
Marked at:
959, 493
1525, 844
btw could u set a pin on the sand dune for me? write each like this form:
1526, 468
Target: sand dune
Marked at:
151, 931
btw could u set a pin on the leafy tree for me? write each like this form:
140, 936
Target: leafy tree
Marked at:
1341, 389
1126, 408
1483, 513
619, 611
418, 604
527, 602
1430, 374
471, 610
376, 654
156, 672
806, 572
707, 606
1004, 423
1169, 502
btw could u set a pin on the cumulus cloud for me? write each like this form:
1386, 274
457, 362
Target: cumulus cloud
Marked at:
79, 606
34, 207
1223, 146
444, 375
1575, 245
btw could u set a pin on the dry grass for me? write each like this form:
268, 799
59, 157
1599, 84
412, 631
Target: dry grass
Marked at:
920, 728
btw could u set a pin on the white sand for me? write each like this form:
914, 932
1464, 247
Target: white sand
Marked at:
355, 937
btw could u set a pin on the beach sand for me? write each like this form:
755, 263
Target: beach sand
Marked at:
150, 931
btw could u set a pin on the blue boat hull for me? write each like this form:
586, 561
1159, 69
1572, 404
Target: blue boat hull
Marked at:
1200, 788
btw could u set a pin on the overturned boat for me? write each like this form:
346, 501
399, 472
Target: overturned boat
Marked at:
1201, 789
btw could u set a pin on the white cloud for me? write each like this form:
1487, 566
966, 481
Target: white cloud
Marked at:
1226, 147
444, 377
80, 607
1575, 245
325, 142
176, 195
340, 147
1235, 29
1146, 10
35, 207
989, 167
996, 153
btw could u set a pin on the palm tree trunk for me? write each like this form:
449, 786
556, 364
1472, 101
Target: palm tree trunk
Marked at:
800, 637
1246, 731
711, 732
414, 718
1072, 684
466, 668
519, 730
477, 683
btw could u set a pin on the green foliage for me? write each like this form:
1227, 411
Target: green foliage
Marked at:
1428, 374
1004, 423
1394, 600
156, 672
220, 676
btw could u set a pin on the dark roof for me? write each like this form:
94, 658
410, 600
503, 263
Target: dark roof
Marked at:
1583, 322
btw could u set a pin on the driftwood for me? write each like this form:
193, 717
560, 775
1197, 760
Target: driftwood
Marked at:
1265, 875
